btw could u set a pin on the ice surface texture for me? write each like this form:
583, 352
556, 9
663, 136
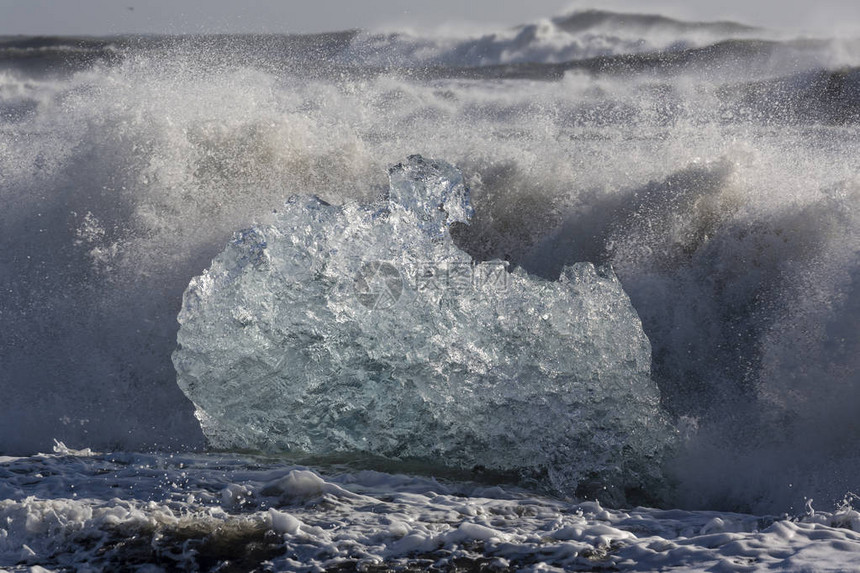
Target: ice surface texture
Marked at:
363, 328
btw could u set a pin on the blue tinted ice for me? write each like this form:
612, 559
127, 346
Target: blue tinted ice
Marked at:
340, 329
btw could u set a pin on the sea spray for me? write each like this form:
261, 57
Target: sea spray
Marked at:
717, 176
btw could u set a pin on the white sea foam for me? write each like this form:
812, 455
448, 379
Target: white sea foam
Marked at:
115, 511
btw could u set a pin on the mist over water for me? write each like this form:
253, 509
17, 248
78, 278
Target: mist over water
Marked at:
713, 166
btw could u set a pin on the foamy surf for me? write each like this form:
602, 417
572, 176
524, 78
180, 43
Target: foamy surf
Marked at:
91, 511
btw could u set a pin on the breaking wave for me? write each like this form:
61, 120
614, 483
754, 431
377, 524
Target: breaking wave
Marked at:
712, 166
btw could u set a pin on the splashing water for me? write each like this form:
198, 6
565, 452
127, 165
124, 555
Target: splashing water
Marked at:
717, 176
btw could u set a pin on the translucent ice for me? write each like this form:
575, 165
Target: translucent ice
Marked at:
363, 328
433, 192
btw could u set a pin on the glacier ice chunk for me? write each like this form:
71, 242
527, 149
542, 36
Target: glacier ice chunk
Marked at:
434, 192
363, 328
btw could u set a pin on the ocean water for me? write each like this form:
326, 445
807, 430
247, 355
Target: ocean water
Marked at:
675, 209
